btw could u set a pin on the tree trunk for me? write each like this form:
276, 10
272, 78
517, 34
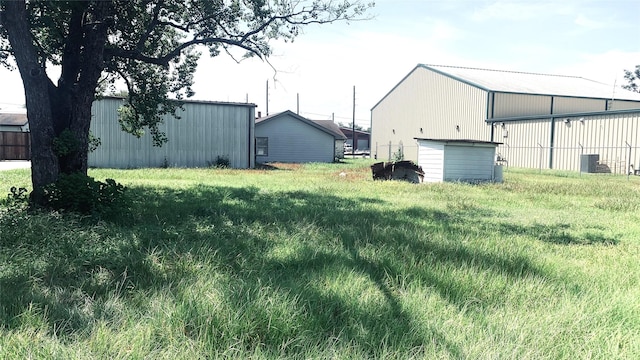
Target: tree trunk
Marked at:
44, 163
59, 116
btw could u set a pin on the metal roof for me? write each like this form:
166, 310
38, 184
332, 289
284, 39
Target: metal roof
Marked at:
533, 83
13, 119
327, 126
461, 141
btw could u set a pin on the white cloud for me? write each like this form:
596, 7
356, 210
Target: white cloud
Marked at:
588, 23
607, 67
519, 11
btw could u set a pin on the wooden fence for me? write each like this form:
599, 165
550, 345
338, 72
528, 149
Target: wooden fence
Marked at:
15, 146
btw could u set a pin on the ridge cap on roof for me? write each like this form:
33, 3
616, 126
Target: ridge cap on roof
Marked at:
503, 71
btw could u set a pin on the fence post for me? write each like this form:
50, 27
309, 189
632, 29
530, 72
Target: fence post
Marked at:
628, 161
580, 163
541, 157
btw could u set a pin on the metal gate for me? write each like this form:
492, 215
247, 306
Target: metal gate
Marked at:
15, 146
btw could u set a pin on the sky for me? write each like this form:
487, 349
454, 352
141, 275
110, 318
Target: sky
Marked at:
317, 73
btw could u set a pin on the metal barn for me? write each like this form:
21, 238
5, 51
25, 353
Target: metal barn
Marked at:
207, 132
456, 160
515, 108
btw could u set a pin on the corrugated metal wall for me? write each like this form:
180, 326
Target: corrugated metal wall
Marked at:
291, 140
625, 105
469, 162
205, 132
429, 105
524, 143
506, 105
431, 159
563, 105
613, 137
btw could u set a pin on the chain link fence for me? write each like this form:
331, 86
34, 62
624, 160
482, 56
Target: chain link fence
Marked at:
621, 160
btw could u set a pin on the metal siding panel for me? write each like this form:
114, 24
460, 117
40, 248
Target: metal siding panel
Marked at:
611, 136
431, 159
433, 102
563, 105
624, 105
205, 131
526, 144
507, 105
468, 163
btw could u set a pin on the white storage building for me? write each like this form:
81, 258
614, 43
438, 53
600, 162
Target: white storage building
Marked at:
456, 160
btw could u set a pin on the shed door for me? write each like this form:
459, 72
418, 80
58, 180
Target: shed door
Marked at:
431, 159
468, 163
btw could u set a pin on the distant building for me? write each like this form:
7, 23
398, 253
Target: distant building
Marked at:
289, 137
12, 122
362, 138
15, 143
546, 121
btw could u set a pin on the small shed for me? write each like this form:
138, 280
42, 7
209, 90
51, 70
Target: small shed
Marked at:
457, 160
291, 138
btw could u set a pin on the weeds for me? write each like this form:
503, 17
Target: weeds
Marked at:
299, 262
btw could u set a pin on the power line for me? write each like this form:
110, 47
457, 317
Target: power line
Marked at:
337, 117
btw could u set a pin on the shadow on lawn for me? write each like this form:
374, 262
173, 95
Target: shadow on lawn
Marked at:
215, 226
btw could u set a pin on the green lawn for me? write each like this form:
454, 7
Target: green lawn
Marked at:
319, 261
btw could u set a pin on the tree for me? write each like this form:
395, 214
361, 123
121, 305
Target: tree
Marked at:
632, 77
150, 45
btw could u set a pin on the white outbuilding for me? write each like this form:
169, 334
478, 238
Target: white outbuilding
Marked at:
458, 160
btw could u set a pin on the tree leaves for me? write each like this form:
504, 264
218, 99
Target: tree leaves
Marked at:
632, 77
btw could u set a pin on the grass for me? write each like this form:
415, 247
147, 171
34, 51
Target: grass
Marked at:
319, 261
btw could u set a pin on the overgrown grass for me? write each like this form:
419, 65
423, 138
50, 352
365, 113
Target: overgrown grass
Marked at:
319, 261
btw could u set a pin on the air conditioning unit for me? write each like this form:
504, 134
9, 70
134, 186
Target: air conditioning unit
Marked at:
589, 163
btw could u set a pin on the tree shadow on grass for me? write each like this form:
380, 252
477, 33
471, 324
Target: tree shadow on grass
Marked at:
238, 232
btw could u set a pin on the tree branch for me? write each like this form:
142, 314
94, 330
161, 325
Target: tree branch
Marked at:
152, 25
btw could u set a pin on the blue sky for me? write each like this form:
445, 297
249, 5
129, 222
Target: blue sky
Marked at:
594, 39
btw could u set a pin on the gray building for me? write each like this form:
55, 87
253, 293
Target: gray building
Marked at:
205, 133
520, 110
289, 137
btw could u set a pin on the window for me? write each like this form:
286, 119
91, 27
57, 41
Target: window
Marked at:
262, 146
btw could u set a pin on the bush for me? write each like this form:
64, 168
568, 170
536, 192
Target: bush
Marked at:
222, 162
83, 194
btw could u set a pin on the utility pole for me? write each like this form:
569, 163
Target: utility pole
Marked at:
267, 106
298, 103
353, 125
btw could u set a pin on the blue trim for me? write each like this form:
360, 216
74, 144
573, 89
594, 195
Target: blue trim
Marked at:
550, 116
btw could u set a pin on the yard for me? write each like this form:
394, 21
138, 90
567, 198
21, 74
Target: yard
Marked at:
319, 261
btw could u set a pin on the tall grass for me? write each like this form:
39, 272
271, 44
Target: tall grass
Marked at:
319, 261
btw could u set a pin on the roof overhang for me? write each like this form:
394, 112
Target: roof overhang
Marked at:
565, 115
460, 141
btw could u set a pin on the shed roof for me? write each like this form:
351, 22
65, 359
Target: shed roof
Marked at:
461, 141
533, 83
13, 119
327, 126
